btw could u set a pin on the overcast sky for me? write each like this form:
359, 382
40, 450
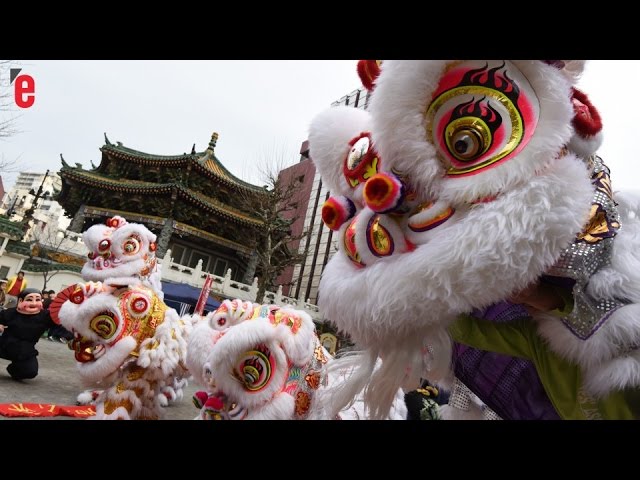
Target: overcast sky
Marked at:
257, 107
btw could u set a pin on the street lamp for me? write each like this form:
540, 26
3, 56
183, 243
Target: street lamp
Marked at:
28, 215
12, 209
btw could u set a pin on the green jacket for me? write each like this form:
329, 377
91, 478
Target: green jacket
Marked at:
561, 380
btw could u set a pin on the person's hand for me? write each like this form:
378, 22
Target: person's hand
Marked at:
538, 296
2, 327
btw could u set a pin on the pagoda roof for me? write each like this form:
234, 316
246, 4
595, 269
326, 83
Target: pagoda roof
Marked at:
205, 162
95, 179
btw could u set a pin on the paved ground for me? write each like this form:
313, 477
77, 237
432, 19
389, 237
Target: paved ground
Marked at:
59, 383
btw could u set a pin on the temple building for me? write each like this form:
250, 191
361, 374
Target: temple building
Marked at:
195, 206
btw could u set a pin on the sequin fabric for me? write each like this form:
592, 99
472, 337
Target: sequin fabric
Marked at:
590, 252
461, 398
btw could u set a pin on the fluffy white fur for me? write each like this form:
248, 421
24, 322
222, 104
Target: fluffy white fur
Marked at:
201, 341
94, 372
85, 398
299, 346
281, 407
622, 278
329, 136
356, 409
164, 350
617, 374
585, 146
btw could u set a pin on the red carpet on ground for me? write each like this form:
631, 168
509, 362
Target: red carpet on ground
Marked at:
45, 410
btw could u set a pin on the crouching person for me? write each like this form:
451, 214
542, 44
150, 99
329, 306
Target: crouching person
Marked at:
20, 328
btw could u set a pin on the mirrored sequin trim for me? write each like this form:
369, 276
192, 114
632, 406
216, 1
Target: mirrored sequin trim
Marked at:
460, 397
587, 255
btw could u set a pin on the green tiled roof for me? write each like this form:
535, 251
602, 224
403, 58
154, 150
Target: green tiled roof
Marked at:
12, 229
31, 266
19, 247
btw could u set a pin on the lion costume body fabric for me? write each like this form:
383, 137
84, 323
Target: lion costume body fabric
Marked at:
127, 342
464, 183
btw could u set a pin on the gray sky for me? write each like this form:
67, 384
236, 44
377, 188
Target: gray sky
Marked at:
164, 107
257, 107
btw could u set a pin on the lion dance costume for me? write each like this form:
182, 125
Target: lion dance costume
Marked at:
263, 362
464, 183
127, 342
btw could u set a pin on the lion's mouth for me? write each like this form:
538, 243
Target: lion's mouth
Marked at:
85, 350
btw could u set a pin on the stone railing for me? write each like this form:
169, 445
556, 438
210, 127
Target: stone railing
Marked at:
228, 288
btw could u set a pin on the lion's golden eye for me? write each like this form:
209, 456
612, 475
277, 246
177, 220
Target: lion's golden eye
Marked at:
131, 246
254, 368
104, 325
467, 144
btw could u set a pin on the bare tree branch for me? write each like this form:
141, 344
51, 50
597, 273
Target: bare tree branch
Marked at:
48, 249
8, 113
276, 244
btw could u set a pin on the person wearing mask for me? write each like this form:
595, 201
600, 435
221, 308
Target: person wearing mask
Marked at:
20, 330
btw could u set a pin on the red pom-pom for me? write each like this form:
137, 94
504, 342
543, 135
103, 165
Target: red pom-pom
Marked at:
368, 71
383, 193
586, 120
200, 398
214, 403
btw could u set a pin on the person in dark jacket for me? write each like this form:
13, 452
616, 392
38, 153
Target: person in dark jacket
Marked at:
20, 328
57, 333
